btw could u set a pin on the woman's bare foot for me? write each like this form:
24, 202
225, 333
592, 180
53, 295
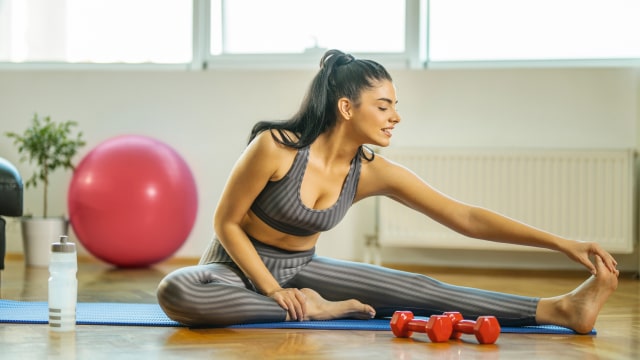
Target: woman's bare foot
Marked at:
320, 309
579, 309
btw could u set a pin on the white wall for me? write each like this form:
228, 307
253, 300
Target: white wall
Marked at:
206, 117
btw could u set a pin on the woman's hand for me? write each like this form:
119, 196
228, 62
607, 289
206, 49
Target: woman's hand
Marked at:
293, 301
583, 251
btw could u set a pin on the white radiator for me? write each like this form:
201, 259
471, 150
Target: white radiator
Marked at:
587, 195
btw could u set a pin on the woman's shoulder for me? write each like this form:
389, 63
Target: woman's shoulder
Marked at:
264, 141
267, 149
275, 139
380, 175
374, 160
383, 176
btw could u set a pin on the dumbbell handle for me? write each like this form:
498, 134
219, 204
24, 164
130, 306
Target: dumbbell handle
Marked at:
417, 325
464, 326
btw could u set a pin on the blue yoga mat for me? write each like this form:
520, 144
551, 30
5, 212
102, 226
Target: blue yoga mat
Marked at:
126, 314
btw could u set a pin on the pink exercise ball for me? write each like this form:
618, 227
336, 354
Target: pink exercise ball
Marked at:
132, 201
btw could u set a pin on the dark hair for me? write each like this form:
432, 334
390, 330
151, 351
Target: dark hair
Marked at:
340, 75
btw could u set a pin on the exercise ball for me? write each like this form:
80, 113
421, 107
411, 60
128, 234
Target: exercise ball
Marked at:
132, 201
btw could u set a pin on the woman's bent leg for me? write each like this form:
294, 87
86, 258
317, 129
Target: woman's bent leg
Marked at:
389, 290
214, 295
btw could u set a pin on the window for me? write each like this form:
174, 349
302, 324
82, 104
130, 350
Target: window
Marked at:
294, 33
96, 31
293, 26
471, 30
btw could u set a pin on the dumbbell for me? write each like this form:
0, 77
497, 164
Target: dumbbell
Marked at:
485, 328
438, 328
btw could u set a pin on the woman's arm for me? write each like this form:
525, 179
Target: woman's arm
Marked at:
385, 177
261, 161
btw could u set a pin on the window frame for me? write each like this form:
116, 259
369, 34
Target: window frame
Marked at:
415, 56
410, 58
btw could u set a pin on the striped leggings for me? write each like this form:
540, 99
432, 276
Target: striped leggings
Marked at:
216, 293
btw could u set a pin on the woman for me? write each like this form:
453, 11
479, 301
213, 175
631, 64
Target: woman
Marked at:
297, 178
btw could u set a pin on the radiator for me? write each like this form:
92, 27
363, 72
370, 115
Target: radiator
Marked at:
586, 195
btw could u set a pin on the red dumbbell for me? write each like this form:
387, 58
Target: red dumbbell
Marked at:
438, 328
485, 328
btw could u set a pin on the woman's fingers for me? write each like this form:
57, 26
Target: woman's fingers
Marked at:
302, 301
298, 304
293, 301
586, 253
608, 260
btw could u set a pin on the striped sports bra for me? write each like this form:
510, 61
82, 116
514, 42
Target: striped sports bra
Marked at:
279, 204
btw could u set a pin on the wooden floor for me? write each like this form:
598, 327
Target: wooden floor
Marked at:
618, 325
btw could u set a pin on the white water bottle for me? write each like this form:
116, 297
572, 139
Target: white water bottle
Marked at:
63, 286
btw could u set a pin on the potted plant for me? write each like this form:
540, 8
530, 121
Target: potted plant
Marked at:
50, 146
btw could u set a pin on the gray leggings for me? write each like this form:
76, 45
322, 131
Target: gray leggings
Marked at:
216, 292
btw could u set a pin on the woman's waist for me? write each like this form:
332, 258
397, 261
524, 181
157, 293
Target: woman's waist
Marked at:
266, 248
216, 253
259, 231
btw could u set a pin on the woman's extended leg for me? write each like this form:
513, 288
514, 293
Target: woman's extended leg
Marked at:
388, 290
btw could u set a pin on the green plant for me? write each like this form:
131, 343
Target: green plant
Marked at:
50, 145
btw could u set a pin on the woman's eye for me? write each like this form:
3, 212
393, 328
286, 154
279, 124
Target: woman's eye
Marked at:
383, 108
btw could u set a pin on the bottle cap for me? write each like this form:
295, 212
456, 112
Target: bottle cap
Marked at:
63, 246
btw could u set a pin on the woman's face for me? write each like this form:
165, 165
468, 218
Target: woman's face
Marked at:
376, 114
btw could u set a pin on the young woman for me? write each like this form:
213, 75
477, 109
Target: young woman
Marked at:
297, 178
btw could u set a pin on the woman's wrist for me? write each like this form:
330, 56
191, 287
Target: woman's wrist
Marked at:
271, 291
562, 244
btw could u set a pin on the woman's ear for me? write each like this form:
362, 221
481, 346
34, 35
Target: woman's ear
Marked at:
345, 107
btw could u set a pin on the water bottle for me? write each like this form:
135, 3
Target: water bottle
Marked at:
63, 286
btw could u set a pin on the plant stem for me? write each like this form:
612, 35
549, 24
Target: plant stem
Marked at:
46, 189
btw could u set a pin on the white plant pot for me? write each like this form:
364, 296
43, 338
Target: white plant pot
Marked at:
37, 236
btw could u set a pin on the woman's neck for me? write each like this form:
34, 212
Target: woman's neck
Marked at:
332, 148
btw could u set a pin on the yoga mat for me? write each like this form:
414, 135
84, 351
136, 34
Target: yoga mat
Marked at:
126, 314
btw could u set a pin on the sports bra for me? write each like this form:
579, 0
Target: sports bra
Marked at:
279, 204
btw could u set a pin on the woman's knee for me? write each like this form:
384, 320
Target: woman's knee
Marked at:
191, 294
167, 290
171, 298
